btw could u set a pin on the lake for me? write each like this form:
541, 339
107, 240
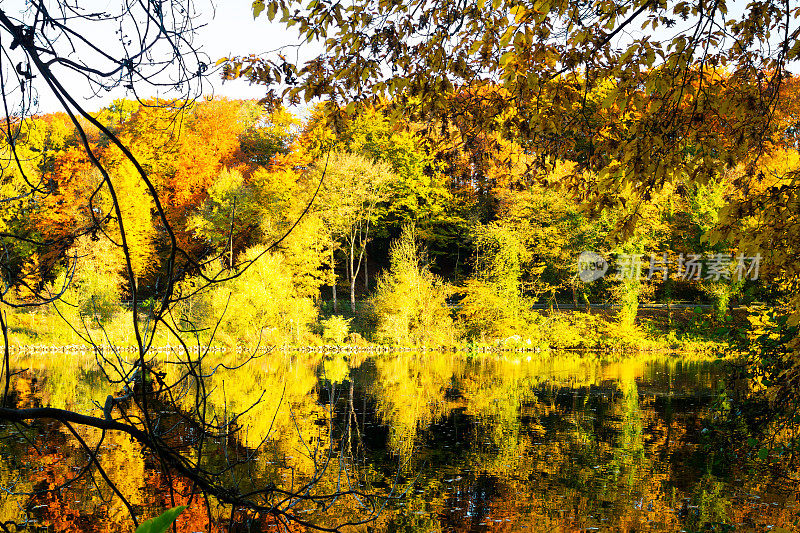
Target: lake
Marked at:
444, 442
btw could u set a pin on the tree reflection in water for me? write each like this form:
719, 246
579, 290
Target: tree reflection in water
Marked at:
564, 443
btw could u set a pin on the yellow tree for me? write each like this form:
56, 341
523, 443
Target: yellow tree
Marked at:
352, 188
570, 80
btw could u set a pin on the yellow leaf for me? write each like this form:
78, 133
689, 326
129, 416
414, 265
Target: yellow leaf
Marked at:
608, 101
258, 7
505, 58
506, 38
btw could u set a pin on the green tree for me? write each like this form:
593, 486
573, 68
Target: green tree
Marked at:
93, 282
306, 253
705, 201
269, 135
494, 303
352, 188
410, 302
335, 328
261, 303
554, 229
16, 219
229, 219
418, 193
645, 242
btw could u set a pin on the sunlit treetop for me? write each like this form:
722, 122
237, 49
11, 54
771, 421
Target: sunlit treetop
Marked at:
632, 80
639, 92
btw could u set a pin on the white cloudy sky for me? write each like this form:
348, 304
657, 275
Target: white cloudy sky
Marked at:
228, 29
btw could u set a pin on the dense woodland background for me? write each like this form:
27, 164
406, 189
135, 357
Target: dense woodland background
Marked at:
434, 234
459, 159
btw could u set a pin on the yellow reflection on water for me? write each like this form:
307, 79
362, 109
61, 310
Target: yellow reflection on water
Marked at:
561, 443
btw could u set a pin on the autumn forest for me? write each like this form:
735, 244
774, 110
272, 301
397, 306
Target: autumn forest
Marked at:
374, 229
461, 266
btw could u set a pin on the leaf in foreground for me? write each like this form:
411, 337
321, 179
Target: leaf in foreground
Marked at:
160, 524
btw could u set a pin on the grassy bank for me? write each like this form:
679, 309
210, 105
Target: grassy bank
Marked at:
683, 330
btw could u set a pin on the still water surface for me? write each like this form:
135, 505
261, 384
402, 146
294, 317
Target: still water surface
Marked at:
563, 443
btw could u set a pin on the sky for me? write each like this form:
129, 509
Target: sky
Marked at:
233, 31
229, 30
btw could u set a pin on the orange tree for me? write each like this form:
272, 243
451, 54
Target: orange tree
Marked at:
83, 181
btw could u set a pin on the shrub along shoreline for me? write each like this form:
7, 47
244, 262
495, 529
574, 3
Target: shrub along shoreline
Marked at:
657, 330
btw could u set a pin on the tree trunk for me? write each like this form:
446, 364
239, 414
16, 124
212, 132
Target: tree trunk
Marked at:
669, 312
629, 303
366, 276
668, 294
353, 295
352, 278
333, 279
230, 235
